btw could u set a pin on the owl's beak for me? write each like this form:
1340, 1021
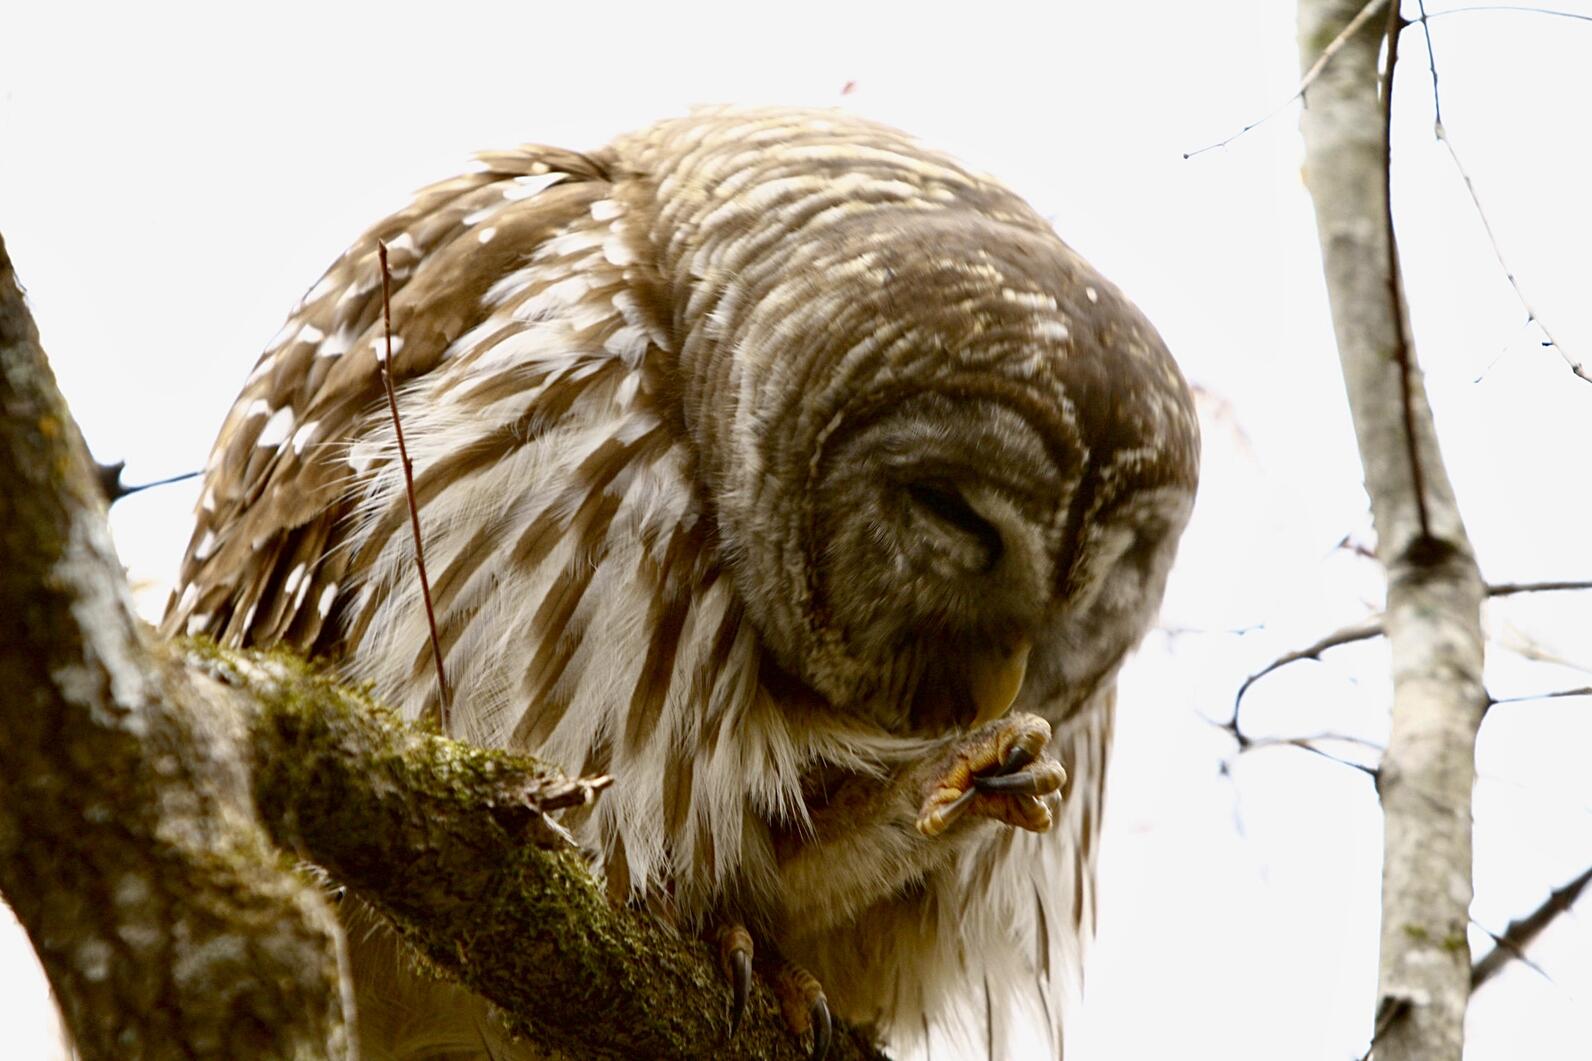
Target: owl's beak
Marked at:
997, 678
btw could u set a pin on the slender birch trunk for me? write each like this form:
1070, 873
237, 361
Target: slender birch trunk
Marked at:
1434, 589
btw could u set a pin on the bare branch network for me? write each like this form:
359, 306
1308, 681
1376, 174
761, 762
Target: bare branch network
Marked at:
1432, 573
1368, 630
1319, 62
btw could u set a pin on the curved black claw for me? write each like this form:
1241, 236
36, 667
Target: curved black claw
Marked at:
823, 1028
735, 957
740, 985
1026, 783
1016, 759
1010, 776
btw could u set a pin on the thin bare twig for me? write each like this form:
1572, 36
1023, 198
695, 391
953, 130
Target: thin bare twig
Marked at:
110, 480
1441, 132
1520, 932
1390, 1010
1348, 635
1256, 743
1527, 649
1576, 367
1475, 8
445, 699
1519, 955
1336, 45
1557, 694
1309, 744
1509, 589
1431, 62
1503, 350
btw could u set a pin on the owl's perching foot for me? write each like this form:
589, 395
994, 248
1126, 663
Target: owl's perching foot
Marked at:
801, 997
998, 771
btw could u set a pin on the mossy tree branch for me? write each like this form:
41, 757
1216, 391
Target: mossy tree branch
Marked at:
153, 798
448, 841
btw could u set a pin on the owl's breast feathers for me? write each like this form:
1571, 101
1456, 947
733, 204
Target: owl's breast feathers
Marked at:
607, 365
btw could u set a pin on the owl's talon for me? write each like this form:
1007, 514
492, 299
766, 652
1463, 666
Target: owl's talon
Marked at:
823, 1028
1016, 759
1040, 781
741, 984
735, 954
936, 821
802, 1001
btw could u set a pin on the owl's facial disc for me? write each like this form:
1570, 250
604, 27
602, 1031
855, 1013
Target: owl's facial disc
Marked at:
937, 525
918, 439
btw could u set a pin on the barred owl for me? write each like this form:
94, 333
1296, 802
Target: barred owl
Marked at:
776, 465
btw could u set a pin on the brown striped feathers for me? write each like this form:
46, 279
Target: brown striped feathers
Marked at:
760, 457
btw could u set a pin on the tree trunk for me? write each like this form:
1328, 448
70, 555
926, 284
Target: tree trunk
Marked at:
1435, 590
161, 911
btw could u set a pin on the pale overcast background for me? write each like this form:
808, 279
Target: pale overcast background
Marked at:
173, 178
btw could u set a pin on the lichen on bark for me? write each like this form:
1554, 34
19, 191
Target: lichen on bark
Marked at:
129, 849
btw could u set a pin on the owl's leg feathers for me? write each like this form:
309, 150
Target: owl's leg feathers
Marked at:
802, 1001
735, 955
998, 771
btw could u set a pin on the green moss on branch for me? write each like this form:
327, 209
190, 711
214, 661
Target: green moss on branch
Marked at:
450, 842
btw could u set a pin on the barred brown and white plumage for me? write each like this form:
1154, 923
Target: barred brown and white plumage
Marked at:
751, 453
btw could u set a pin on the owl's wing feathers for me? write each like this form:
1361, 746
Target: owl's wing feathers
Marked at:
261, 567
556, 501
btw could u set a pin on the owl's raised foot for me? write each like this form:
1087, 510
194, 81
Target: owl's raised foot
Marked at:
1001, 771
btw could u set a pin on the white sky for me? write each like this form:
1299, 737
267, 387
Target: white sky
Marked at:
173, 177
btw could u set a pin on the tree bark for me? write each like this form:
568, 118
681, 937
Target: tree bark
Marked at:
1435, 591
151, 795
163, 915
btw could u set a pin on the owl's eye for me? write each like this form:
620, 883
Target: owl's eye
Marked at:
945, 504
1143, 546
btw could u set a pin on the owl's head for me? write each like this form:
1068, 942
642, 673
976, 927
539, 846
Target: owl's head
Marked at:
949, 462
